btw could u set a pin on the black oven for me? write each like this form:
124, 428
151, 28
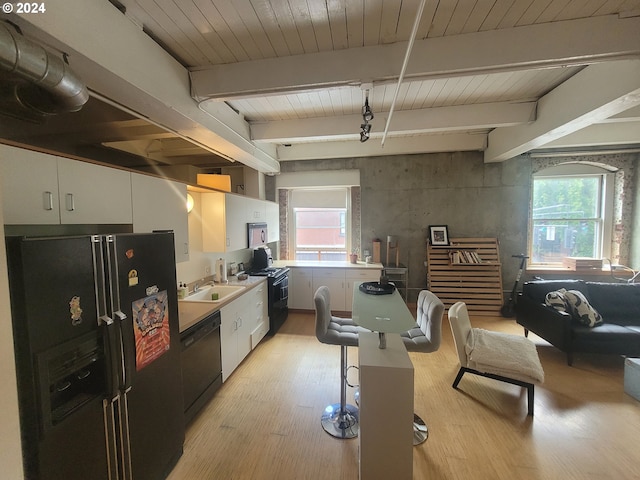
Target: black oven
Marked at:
278, 300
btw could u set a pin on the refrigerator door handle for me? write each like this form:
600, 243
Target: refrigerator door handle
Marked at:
128, 360
111, 437
112, 347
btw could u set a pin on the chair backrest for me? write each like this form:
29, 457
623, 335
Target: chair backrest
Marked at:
429, 319
460, 328
322, 301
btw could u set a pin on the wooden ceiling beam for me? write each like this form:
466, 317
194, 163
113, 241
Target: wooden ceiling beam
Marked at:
591, 96
572, 42
400, 145
408, 122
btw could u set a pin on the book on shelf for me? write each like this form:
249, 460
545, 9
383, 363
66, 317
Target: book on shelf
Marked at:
457, 257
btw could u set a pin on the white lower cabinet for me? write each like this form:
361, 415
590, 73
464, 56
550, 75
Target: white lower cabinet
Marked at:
301, 288
303, 283
242, 320
333, 278
259, 301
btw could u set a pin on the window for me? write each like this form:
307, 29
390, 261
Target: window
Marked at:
571, 212
320, 228
320, 234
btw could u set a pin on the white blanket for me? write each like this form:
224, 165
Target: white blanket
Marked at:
504, 354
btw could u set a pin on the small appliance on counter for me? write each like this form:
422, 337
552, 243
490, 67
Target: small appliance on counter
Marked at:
233, 268
262, 258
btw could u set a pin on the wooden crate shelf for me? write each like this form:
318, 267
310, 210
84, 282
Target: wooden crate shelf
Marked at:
479, 285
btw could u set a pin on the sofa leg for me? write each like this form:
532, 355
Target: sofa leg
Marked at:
569, 358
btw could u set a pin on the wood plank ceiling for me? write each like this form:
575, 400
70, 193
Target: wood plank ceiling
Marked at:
287, 79
209, 36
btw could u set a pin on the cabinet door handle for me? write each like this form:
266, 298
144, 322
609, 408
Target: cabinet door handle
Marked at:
71, 204
47, 198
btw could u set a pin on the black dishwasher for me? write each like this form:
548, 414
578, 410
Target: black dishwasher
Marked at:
201, 363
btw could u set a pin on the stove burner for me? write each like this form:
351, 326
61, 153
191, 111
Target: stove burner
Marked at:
268, 272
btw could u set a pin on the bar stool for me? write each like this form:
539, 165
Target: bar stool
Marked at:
339, 420
425, 338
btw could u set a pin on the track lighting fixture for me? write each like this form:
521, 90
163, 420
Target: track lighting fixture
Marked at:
367, 116
364, 133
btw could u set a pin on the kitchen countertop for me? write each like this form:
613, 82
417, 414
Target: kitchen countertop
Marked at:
191, 313
325, 264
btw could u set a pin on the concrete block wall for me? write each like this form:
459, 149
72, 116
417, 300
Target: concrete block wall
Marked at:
403, 194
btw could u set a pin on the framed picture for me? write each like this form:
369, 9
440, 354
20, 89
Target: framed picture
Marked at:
438, 235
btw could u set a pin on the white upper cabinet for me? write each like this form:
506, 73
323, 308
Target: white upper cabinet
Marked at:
161, 204
237, 210
255, 210
42, 189
214, 222
225, 217
93, 194
224, 228
29, 187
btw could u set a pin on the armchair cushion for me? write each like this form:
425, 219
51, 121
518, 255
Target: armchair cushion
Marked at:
504, 354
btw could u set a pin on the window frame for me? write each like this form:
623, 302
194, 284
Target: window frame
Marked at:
605, 207
345, 227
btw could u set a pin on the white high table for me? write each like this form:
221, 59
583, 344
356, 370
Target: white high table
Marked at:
386, 386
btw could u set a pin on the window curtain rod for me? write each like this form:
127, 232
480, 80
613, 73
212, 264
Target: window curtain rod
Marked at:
404, 67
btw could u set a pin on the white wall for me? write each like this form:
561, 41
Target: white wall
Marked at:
10, 446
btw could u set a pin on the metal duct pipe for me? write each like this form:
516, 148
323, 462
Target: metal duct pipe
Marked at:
51, 86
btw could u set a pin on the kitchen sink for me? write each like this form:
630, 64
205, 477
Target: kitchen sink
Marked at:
224, 293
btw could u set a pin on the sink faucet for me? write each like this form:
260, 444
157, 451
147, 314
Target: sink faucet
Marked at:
196, 287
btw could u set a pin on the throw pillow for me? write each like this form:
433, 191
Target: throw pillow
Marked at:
556, 300
581, 310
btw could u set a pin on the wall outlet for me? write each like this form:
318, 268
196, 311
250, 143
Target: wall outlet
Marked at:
207, 270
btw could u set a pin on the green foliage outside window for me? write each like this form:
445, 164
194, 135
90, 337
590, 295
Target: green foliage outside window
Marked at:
566, 217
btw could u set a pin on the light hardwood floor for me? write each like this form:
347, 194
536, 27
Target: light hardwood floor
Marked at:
264, 423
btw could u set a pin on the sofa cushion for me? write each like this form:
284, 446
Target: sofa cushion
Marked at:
581, 310
538, 289
606, 338
556, 300
617, 302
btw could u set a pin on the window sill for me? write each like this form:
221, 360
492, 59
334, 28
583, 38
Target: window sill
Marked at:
547, 270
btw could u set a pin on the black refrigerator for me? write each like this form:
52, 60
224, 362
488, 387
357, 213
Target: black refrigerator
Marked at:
96, 334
